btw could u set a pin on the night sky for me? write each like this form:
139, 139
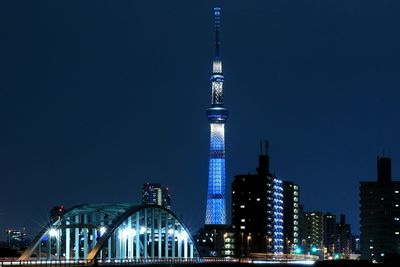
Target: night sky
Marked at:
98, 97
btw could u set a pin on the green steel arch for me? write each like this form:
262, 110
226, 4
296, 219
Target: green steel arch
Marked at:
113, 231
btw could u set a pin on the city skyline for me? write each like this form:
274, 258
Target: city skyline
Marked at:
100, 104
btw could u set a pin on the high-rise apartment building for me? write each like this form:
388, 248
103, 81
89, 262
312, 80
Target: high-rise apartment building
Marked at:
343, 231
257, 211
291, 225
154, 193
355, 244
380, 214
330, 236
314, 232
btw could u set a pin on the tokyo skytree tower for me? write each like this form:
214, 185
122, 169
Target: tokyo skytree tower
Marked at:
217, 115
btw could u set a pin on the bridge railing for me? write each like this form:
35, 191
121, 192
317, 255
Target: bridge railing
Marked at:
149, 261
44, 263
96, 262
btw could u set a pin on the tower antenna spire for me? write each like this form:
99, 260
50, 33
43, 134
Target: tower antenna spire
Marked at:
217, 21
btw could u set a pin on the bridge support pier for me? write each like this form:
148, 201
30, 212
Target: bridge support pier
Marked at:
67, 240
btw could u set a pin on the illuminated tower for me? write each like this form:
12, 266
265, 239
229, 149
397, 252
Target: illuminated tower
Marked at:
217, 115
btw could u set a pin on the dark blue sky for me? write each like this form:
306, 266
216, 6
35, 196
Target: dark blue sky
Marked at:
98, 97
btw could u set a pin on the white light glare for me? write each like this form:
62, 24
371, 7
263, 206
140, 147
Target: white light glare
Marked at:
170, 231
53, 232
142, 230
102, 229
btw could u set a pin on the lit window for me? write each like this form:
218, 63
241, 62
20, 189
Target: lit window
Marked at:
396, 219
258, 199
242, 206
242, 227
243, 220
396, 192
397, 205
396, 233
233, 192
371, 247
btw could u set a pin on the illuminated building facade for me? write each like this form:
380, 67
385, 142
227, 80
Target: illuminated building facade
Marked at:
156, 194
291, 226
257, 211
217, 115
277, 209
215, 241
313, 232
380, 214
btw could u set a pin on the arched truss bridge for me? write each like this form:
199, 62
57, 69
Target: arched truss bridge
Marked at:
113, 231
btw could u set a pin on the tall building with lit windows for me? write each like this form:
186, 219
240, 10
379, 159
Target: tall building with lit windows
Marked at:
217, 115
257, 211
291, 227
313, 232
380, 214
330, 233
154, 193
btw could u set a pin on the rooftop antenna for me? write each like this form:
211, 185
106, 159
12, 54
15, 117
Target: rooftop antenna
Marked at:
217, 21
261, 148
266, 147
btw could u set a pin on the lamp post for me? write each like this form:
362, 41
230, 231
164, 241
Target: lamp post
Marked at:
241, 245
248, 244
269, 244
289, 250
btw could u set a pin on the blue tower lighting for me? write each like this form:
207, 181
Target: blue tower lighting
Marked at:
217, 115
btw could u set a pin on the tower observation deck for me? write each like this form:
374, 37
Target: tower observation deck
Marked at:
217, 115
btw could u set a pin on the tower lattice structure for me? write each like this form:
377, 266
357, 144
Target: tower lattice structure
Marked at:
217, 115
